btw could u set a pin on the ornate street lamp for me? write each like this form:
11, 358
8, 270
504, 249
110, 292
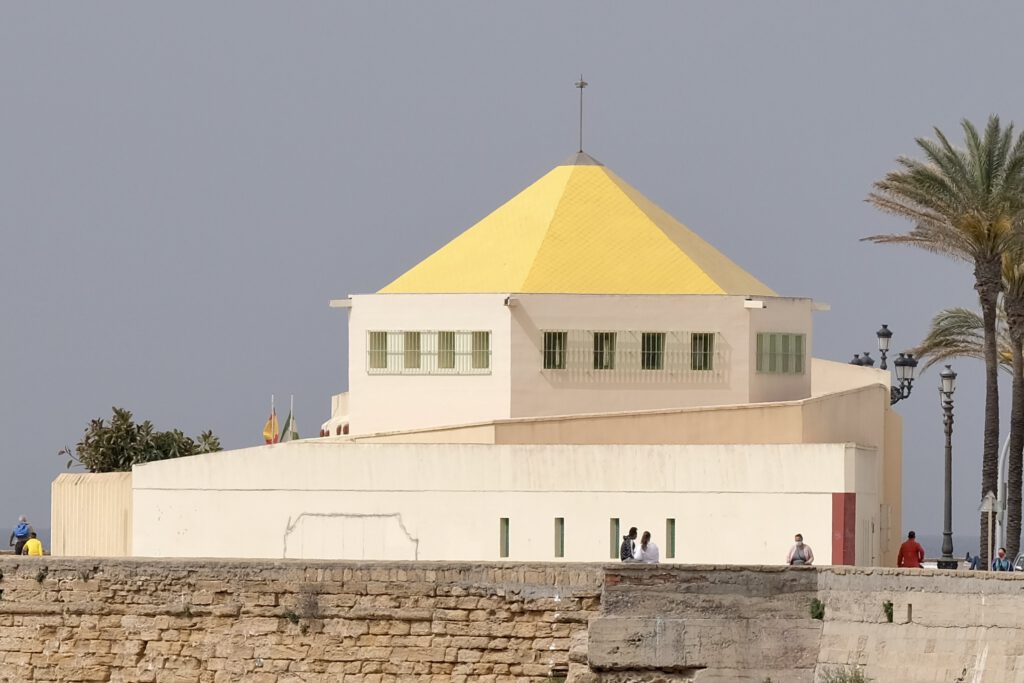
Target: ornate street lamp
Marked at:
884, 336
946, 388
906, 366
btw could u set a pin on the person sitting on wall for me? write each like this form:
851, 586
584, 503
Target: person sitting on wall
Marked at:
20, 534
33, 546
973, 562
1002, 563
911, 553
647, 552
800, 553
628, 546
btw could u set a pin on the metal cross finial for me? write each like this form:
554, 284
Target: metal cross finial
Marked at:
581, 84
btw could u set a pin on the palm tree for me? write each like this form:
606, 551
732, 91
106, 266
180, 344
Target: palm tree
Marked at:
965, 204
957, 332
1013, 302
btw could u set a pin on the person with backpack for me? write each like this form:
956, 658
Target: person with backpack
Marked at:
628, 546
20, 534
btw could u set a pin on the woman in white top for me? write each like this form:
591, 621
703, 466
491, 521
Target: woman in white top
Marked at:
646, 551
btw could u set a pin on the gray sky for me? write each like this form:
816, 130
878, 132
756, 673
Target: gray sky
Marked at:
184, 187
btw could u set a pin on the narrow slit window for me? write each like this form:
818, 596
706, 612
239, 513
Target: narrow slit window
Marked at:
559, 536
481, 350
613, 537
652, 350
798, 354
670, 538
446, 350
604, 350
554, 350
378, 350
702, 351
503, 537
412, 350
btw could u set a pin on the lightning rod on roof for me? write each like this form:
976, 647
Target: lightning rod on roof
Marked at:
581, 84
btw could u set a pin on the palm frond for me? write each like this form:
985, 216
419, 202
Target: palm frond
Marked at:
959, 333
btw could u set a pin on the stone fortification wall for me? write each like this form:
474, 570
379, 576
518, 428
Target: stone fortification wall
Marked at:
718, 624
288, 621
210, 621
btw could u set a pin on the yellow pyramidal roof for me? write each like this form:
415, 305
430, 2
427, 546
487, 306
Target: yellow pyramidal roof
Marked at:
580, 229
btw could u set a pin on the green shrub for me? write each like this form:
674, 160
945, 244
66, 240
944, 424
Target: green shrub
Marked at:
817, 609
887, 606
843, 675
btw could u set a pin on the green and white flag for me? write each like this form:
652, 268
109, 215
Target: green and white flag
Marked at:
290, 432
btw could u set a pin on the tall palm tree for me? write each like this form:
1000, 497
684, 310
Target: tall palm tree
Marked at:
1013, 302
965, 203
957, 332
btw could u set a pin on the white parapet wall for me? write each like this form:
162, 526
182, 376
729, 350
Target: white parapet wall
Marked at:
335, 500
91, 514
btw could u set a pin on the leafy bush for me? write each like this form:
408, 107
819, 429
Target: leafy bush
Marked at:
116, 446
817, 609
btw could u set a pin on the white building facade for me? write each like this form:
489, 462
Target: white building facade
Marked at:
575, 364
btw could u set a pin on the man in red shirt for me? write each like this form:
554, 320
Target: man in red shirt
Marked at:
911, 553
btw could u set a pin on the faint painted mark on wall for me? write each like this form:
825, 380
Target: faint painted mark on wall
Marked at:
349, 536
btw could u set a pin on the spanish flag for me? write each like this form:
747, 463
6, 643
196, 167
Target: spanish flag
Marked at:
270, 430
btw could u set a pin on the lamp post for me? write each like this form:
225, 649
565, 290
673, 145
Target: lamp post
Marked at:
946, 389
906, 366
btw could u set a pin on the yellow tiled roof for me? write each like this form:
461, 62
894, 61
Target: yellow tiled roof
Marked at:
580, 229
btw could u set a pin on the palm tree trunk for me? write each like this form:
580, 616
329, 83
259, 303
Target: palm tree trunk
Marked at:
1013, 303
988, 283
1016, 465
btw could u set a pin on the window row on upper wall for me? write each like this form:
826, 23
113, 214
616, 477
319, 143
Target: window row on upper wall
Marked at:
642, 355
780, 353
428, 352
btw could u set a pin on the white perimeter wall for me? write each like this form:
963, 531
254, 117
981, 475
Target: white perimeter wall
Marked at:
315, 499
91, 514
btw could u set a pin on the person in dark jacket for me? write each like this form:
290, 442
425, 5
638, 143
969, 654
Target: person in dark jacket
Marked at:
628, 545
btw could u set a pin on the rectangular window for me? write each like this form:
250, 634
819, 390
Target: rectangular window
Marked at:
670, 538
446, 350
503, 537
554, 350
604, 350
702, 351
378, 349
412, 349
613, 537
780, 353
481, 350
559, 536
652, 350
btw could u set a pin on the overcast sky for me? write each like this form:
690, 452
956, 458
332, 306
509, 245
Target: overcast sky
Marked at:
184, 187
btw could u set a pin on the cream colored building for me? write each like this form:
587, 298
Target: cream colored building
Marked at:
577, 363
